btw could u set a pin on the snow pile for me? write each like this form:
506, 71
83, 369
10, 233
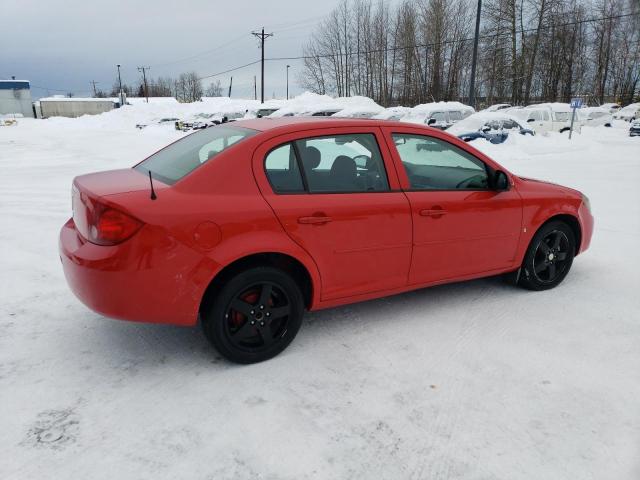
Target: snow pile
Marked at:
309, 103
392, 113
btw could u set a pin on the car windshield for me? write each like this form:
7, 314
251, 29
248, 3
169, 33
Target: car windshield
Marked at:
182, 157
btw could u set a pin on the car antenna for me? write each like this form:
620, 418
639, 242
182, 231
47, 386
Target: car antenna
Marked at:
153, 192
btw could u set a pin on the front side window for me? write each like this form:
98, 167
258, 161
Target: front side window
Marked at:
439, 117
182, 157
342, 163
455, 115
433, 164
536, 115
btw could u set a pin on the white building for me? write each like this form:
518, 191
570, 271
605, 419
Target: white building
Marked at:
72, 107
15, 97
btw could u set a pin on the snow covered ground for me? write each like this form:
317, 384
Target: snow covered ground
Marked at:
477, 380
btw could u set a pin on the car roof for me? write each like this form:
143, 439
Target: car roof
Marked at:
308, 123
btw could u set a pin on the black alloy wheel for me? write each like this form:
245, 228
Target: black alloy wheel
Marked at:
549, 256
254, 315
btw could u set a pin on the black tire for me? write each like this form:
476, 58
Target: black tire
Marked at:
254, 316
549, 256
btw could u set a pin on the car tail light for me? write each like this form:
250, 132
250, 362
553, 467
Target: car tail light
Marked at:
101, 224
112, 226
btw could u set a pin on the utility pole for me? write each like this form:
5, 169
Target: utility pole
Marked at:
120, 83
255, 88
230, 85
95, 92
288, 81
262, 36
472, 83
144, 79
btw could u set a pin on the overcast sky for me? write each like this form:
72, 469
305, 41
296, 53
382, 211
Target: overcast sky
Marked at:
64, 44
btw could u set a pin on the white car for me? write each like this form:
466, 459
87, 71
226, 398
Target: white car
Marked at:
547, 117
438, 114
595, 116
628, 113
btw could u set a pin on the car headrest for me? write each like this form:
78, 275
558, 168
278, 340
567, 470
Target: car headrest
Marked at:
310, 158
344, 167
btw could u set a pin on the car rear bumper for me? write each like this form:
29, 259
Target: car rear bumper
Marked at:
139, 280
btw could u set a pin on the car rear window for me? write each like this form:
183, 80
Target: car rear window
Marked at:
177, 160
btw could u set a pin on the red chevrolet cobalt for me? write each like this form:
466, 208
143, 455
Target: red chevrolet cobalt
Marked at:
246, 225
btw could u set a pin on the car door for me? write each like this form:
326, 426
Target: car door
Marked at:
461, 227
336, 194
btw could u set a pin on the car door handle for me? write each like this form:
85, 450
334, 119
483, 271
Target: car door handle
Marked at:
433, 212
314, 220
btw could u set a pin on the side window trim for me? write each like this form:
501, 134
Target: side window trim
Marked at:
303, 173
487, 168
266, 172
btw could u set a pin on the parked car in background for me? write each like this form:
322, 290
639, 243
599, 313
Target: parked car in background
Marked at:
265, 112
439, 115
629, 113
392, 113
242, 227
323, 112
634, 130
595, 116
611, 107
547, 117
497, 106
492, 126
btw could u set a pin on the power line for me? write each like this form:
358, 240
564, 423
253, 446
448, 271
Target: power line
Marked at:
230, 70
204, 53
445, 42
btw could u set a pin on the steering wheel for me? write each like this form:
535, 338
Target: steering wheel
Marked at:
467, 181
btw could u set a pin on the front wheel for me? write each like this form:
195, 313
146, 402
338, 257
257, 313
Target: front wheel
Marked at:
549, 257
255, 315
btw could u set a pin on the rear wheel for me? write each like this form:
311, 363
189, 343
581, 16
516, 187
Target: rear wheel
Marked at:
255, 315
549, 257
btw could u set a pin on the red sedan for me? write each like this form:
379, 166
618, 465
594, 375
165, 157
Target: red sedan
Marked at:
243, 226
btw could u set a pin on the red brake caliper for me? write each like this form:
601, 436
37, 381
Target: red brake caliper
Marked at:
238, 318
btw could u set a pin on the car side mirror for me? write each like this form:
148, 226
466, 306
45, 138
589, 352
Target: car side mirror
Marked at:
486, 129
500, 181
531, 120
432, 121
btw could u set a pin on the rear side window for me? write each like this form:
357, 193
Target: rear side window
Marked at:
182, 157
282, 170
342, 163
332, 164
